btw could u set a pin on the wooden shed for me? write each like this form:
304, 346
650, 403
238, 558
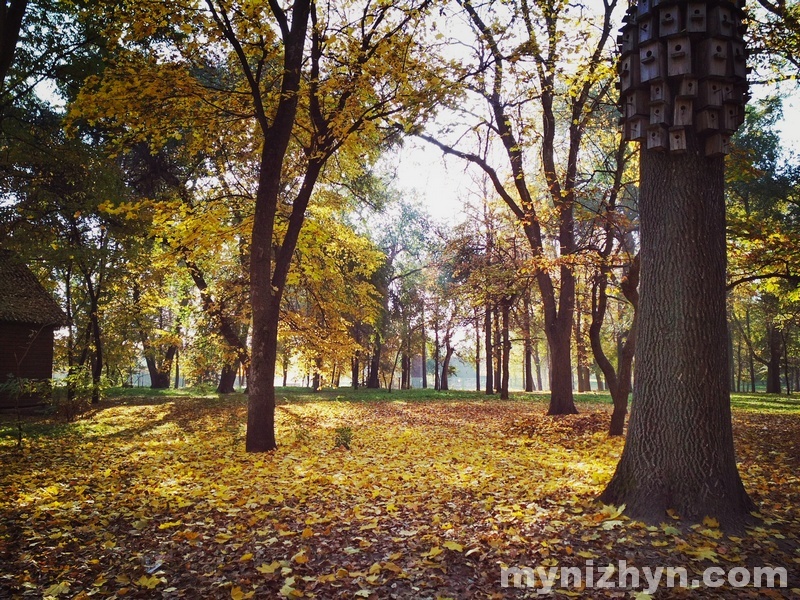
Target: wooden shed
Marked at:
28, 318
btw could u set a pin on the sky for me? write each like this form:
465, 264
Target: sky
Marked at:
442, 183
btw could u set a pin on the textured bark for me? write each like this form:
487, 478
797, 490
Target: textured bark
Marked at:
227, 378
527, 341
679, 451
11, 15
506, 356
487, 336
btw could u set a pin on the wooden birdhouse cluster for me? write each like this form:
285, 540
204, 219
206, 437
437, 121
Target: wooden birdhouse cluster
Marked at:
683, 65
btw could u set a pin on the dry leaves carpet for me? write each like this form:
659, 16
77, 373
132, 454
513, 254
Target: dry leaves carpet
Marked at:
156, 499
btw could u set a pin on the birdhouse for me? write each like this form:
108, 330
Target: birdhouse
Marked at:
696, 17
644, 7
646, 30
713, 58
658, 114
687, 88
707, 120
669, 21
710, 93
739, 60
651, 61
730, 117
721, 22
627, 40
683, 111
637, 103
635, 129
629, 73
659, 92
677, 139
679, 56
657, 138
732, 93
718, 144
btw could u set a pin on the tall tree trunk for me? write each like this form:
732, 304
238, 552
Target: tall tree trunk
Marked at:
506, 358
487, 336
424, 352
527, 342
679, 450
373, 381
775, 343
477, 352
437, 382
227, 378
498, 350
444, 382
618, 380
750, 354
537, 362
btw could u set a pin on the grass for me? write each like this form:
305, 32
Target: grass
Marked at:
36, 426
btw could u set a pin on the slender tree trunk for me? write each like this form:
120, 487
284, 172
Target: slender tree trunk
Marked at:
498, 350
751, 358
679, 450
487, 336
526, 334
477, 353
424, 352
774, 362
537, 362
506, 358
437, 382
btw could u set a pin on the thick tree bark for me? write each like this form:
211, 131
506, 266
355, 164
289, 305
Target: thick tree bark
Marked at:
679, 451
11, 15
444, 381
559, 342
227, 378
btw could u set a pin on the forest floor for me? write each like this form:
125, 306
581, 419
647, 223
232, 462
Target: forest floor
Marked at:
154, 497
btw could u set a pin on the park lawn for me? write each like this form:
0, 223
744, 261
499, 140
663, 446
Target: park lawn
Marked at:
154, 497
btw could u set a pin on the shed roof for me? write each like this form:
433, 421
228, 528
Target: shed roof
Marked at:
23, 299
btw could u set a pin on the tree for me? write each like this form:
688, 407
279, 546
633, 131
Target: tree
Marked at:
679, 451
515, 66
305, 80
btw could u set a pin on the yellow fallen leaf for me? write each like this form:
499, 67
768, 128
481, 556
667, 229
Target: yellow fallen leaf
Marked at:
57, 589
148, 582
270, 568
238, 594
247, 556
307, 532
710, 522
300, 558
390, 566
375, 568
435, 551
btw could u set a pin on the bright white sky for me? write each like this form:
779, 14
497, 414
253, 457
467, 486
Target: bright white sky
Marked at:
443, 183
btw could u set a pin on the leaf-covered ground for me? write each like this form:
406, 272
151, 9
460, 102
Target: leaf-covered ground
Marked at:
155, 498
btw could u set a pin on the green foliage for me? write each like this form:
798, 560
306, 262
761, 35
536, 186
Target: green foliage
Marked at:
343, 437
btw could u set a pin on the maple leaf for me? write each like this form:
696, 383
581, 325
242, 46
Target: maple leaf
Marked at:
238, 594
148, 582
